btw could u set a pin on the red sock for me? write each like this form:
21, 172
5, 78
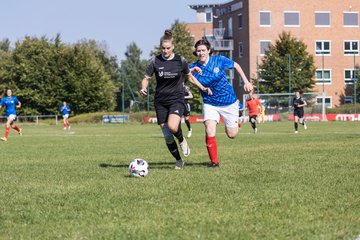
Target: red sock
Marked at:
16, 128
64, 125
212, 149
68, 124
7, 130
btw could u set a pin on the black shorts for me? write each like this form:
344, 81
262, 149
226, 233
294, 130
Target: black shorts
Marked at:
253, 117
163, 111
299, 113
187, 109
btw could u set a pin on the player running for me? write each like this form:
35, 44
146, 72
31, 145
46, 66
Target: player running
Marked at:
11, 103
211, 72
65, 111
169, 70
299, 103
253, 104
187, 109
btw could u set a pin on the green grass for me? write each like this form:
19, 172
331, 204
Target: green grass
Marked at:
57, 184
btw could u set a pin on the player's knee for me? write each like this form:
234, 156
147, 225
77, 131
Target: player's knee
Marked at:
167, 134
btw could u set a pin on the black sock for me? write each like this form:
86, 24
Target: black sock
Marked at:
187, 124
179, 134
253, 125
174, 150
296, 126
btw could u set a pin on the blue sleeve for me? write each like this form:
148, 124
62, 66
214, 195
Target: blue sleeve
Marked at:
226, 63
16, 100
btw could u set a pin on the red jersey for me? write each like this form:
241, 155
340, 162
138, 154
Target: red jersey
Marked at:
253, 105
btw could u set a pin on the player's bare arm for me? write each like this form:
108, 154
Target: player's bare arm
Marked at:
144, 85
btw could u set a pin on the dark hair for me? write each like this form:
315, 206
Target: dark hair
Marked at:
205, 43
299, 91
168, 36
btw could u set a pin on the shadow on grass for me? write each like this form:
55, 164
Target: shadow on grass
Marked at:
155, 165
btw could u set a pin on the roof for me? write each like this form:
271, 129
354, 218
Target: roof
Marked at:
198, 6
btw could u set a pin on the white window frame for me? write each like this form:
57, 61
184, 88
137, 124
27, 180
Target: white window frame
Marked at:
208, 10
351, 54
351, 26
263, 40
285, 25
221, 24
323, 26
349, 81
242, 21
241, 53
322, 50
326, 80
327, 105
261, 25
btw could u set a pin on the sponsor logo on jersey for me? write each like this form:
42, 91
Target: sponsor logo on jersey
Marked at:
161, 74
216, 70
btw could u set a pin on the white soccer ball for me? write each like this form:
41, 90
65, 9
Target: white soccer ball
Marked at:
138, 168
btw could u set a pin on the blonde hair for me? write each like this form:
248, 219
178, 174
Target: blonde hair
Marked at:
168, 36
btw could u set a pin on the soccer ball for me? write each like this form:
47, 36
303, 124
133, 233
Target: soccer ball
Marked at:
138, 168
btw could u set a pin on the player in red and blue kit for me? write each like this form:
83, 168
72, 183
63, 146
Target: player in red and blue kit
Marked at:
211, 73
65, 111
11, 103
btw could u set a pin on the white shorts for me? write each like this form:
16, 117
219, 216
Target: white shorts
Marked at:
11, 117
229, 113
65, 116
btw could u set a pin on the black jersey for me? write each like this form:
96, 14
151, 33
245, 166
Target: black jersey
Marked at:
297, 102
169, 75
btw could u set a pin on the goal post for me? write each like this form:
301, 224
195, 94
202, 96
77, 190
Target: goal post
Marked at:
281, 104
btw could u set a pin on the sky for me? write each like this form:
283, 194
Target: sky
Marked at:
116, 23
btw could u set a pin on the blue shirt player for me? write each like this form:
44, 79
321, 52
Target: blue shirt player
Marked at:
211, 73
10, 103
65, 111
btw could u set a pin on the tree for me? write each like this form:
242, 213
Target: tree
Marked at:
357, 79
288, 53
44, 72
132, 72
184, 46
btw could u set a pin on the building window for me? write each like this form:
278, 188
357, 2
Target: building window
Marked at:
221, 24
241, 82
351, 47
322, 19
322, 47
241, 53
208, 17
240, 21
292, 19
265, 19
349, 76
264, 46
321, 78
230, 28
327, 101
348, 99
351, 19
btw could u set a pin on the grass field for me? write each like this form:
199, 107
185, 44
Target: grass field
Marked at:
57, 184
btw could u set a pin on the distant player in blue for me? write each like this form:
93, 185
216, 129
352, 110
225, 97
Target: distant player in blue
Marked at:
65, 111
211, 73
11, 103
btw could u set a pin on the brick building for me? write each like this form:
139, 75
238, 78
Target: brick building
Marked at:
329, 28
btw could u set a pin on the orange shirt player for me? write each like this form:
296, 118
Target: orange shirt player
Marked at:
253, 104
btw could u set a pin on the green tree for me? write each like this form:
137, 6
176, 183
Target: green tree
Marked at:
357, 79
132, 72
287, 52
45, 72
184, 46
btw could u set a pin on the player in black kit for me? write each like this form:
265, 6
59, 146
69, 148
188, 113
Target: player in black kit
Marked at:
170, 69
299, 103
187, 109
